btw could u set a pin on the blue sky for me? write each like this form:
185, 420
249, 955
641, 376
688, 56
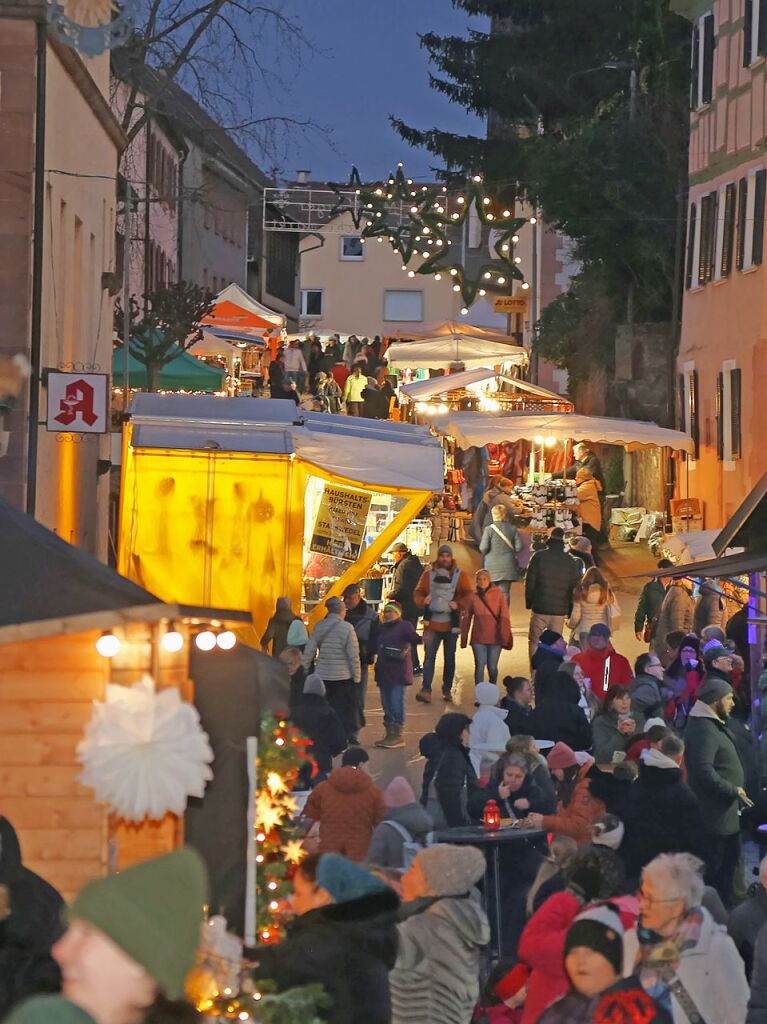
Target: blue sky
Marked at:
368, 64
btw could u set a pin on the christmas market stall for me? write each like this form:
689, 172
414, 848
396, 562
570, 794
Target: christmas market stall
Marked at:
479, 390
441, 353
100, 745
239, 502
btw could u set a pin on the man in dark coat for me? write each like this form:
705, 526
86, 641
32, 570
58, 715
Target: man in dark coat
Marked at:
344, 938
748, 919
661, 814
557, 715
650, 601
366, 625
31, 921
548, 657
715, 773
408, 570
584, 458
317, 720
646, 693
552, 576
519, 697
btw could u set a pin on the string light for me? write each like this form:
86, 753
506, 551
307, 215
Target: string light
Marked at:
464, 311
533, 220
438, 277
501, 280
411, 273
486, 201
515, 239
477, 178
507, 213
525, 285
206, 640
456, 287
108, 645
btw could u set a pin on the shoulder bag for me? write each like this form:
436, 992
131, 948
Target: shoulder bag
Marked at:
504, 626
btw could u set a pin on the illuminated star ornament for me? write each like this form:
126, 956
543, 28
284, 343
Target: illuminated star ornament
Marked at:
419, 222
92, 26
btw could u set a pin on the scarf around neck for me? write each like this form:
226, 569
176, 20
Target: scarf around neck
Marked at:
658, 959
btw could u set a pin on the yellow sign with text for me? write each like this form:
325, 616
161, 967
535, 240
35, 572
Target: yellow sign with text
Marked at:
339, 528
510, 304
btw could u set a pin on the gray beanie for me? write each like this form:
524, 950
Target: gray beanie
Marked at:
334, 605
314, 684
451, 870
445, 549
714, 689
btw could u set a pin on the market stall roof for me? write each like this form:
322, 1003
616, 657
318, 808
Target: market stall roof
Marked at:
748, 524
211, 345
234, 308
713, 568
441, 353
184, 373
420, 390
368, 452
54, 587
448, 329
472, 429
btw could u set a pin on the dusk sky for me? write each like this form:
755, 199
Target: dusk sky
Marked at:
369, 64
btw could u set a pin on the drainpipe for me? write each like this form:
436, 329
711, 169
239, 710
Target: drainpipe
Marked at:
182, 155
37, 270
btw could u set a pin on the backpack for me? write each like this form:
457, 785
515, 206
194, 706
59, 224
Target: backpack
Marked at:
297, 634
410, 848
363, 629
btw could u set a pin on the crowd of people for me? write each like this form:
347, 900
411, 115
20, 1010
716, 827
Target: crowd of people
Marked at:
350, 377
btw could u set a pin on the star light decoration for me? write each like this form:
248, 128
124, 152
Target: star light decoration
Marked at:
92, 26
417, 221
282, 750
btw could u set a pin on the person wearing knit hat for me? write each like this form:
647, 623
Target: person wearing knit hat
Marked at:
715, 771
441, 939
132, 938
488, 732
397, 639
334, 646
503, 995
594, 966
314, 684
343, 937
442, 592
407, 825
609, 832
561, 756
314, 716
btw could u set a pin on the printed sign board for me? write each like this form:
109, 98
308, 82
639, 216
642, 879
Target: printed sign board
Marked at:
78, 403
339, 528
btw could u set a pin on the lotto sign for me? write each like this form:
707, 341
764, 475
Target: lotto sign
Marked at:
78, 403
339, 528
510, 304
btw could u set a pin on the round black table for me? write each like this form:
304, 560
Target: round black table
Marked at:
491, 843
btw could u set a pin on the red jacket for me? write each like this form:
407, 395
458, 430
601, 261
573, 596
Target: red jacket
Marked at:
577, 819
348, 807
488, 618
593, 665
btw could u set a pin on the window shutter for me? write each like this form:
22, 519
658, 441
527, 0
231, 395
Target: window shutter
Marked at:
740, 255
747, 32
694, 413
735, 414
691, 243
708, 209
707, 89
695, 67
760, 181
728, 230
761, 41
720, 416
680, 402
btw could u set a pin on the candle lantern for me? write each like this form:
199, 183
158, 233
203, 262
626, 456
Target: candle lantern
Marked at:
492, 816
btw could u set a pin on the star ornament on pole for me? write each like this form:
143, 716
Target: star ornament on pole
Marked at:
92, 26
418, 221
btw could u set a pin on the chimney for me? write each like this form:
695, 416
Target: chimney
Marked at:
302, 177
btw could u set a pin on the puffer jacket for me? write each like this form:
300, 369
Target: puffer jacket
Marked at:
500, 557
592, 610
407, 575
646, 696
488, 736
436, 977
339, 650
348, 806
676, 613
552, 576
386, 846
709, 611
558, 716
714, 770
487, 615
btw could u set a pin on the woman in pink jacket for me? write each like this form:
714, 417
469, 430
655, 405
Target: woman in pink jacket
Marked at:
486, 614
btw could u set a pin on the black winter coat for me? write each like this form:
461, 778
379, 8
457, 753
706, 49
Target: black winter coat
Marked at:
714, 772
545, 663
558, 717
744, 925
317, 720
407, 573
518, 718
552, 576
757, 1004
539, 802
33, 925
662, 815
455, 780
349, 948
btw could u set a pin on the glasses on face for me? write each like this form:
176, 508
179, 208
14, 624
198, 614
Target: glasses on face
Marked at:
644, 898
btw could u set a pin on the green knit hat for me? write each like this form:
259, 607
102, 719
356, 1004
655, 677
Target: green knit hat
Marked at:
153, 912
47, 1010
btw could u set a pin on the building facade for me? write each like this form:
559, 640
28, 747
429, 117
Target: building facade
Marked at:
723, 348
58, 176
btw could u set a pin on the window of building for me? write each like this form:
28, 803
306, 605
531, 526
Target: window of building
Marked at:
707, 232
352, 248
754, 31
312, 302
751, 208
403, 306
691, 408
728, 414
282, 264
703, 45
725, 231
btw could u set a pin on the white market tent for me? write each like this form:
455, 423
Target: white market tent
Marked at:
477, 429
449, 329
239, 297
210, 345
371, 452
441, 353
422, 390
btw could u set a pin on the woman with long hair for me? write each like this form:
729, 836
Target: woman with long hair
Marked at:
577, 807
593, 602
615, 726
513, 788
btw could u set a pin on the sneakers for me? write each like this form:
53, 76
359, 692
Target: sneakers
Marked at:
424, 696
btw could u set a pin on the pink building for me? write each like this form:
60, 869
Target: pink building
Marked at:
723, 349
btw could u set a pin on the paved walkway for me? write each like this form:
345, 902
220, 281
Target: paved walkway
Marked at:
620, 562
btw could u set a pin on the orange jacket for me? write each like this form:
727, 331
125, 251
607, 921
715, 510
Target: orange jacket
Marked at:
463, 592
348, 807
577, 819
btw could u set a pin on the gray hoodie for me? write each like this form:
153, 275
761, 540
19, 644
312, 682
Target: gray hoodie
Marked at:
386, 845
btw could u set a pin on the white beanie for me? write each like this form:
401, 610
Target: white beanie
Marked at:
451, 870
487, 694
